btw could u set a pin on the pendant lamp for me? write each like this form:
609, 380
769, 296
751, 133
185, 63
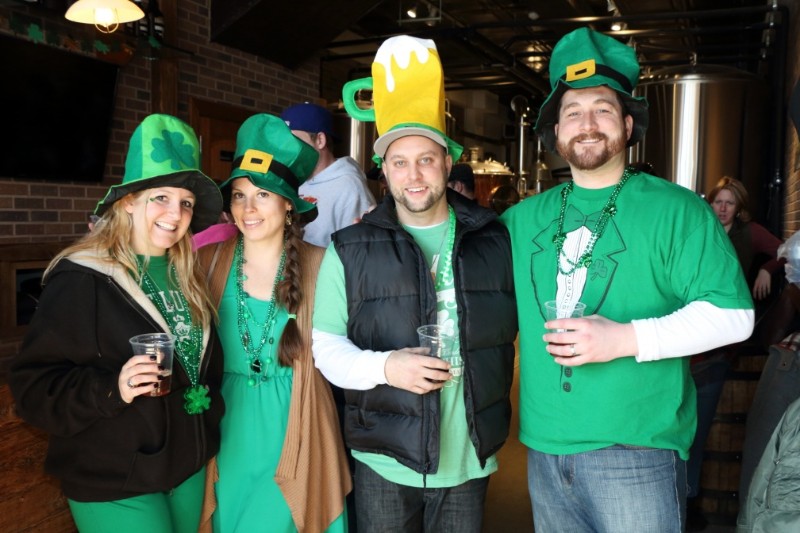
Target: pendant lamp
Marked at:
106, 15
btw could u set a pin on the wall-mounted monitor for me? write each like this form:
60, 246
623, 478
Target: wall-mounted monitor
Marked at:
56, 108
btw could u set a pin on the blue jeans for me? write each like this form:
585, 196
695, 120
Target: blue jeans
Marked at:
611, 490
388, 507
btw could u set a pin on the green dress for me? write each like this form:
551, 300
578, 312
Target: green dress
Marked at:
254, 426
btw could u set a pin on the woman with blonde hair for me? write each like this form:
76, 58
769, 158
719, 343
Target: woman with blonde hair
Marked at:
751, 240
129, 453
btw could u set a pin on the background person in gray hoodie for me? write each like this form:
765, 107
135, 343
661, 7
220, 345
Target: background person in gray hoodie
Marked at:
338, 187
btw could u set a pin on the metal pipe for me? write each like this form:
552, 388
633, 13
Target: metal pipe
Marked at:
776, 186
529, 80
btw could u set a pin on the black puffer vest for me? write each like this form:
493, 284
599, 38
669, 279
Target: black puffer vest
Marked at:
390, 293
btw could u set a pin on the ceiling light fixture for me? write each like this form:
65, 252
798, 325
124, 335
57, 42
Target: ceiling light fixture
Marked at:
106, 15
427, 11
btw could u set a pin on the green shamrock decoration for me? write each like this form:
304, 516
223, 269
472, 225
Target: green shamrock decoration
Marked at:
197, 400
53, 39
17, 25
35, 33
172, 148
101, 47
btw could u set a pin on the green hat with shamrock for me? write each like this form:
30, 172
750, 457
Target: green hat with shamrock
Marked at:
273, 159
164, 152
585, 58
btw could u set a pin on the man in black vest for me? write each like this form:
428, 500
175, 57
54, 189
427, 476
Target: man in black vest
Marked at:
424, 430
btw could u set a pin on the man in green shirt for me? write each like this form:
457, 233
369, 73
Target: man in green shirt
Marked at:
607, 404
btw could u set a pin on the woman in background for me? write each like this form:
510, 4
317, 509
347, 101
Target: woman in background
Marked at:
128, 458
751, 240
757, 250
281, 466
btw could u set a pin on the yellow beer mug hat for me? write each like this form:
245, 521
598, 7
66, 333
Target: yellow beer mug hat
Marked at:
586, 58
407, 93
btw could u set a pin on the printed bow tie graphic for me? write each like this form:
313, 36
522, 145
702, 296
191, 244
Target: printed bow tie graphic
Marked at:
574, 219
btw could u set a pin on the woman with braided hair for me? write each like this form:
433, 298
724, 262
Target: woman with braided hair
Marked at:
281, 464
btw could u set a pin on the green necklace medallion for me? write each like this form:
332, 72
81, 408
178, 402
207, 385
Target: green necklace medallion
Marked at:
257, 362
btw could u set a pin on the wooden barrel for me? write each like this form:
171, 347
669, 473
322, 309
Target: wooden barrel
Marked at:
722, 456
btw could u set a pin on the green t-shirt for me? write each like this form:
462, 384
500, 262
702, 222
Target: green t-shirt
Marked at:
458, 461
178, 316
663, 249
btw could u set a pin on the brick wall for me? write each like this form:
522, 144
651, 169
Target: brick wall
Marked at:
35, 211
40, 211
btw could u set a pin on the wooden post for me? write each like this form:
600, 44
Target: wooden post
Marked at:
164, 74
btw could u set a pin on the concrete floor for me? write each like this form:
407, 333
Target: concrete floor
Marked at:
508, 506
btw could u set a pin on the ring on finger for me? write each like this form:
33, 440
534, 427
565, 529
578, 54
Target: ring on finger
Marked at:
131, 385
572, 350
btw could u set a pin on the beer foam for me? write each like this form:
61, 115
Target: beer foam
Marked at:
400, 48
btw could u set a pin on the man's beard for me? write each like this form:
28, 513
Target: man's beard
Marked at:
590, 159
434, 195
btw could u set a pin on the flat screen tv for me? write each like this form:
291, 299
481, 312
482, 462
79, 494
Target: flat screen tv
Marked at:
56, 108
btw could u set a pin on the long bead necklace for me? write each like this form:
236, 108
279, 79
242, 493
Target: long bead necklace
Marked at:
442, 270
608, 211
187, 347
255, 363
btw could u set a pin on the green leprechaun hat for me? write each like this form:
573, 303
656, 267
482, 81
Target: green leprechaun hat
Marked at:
407, 92
273, 159
164, 152
586, 58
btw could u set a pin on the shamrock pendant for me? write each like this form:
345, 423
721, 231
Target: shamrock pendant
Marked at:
197, 400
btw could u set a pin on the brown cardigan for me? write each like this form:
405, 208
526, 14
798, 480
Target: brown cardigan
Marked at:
312, 473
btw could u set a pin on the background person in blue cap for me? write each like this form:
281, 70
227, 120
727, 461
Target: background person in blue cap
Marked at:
281, 464
607, 405
337, 187
127, 459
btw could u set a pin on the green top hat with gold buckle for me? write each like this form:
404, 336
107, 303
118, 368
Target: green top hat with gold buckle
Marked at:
164, 152
273, 159
407, 86
586, 58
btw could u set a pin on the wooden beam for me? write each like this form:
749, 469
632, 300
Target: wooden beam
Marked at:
164, 74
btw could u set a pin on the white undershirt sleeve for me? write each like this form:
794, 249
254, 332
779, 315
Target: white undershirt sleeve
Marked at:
346, 365
698, 327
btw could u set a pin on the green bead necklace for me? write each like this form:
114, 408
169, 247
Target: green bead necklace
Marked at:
187, 347
608, 211
255, 363
444, 269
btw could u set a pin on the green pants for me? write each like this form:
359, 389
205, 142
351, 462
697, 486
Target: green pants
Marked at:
177, 511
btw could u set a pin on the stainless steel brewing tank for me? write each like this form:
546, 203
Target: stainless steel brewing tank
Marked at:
706, 122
